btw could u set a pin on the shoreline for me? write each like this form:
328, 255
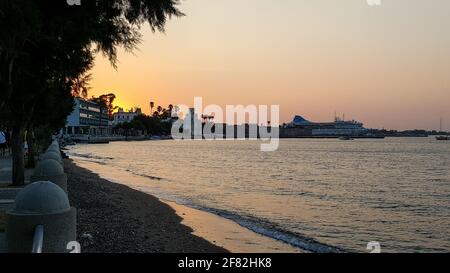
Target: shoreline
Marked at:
215, 233
228, 234
113, 218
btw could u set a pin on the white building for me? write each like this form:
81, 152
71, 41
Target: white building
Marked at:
87, 118
121, 116
192, 125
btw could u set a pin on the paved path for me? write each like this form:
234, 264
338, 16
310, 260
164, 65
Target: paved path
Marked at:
6, 169
2, 243
8, 194
7, 197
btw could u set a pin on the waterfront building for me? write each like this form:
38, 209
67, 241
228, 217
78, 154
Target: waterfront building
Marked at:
87, 118
192, 125
122, 116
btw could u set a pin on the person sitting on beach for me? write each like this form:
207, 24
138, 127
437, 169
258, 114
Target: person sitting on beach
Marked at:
3, 143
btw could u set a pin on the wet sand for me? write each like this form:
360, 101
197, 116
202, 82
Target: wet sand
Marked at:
228, 234
122, 219
114, 218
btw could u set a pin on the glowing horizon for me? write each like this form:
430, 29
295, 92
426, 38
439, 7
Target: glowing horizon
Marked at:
386, 66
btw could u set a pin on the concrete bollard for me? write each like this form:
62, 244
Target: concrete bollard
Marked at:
56, 152
53, 149
54, 145
50, 170
45, 204
52, 155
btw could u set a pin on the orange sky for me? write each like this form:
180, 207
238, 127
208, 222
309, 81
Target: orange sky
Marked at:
386, 66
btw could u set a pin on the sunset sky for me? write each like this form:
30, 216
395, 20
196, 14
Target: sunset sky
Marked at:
387, 66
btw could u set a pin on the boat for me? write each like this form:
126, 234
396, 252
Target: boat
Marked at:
301, 127
345, 138
441, 137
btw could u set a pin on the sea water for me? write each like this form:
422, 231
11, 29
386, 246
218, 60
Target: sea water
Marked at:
320, 195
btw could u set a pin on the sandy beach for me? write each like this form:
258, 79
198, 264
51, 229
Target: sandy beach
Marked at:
113, 218
116, 218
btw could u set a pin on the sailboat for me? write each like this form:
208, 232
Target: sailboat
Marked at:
441, 137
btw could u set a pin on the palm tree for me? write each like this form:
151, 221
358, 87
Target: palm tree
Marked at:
170, 111
80, 85
152, 105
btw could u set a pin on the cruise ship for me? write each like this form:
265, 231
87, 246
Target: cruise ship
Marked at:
300, 127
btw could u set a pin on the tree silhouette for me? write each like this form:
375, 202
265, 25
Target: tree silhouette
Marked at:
46, 44
107, 102
159, 109
152, 105
81, 85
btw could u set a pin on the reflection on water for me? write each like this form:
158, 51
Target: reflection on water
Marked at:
339, 193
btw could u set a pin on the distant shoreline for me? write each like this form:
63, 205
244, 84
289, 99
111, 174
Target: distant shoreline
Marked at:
106, 140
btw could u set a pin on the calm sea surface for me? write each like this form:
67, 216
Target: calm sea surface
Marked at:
315, 194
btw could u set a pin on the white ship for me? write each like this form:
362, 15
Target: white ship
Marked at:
338, 128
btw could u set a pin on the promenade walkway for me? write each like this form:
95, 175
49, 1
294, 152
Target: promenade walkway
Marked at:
7, 194
6, 169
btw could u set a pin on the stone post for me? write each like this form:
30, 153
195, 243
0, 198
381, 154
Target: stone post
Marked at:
41, 204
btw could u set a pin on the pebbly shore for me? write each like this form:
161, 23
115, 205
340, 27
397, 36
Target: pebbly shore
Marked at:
114, 218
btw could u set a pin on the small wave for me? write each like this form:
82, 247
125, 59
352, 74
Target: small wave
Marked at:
386, 206
93, 161
146, 175
104, 161
257, 225
271, 230
90, 156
